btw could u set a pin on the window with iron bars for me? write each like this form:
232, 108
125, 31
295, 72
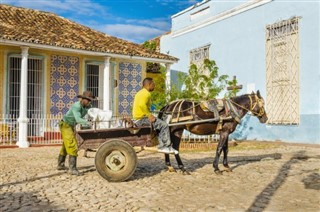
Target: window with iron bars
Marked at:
282, 72
94, 83
35, 86
34, 91
198, 55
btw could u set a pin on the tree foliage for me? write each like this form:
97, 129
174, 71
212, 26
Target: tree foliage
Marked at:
152, 45
201, 83
235, 91
152, 67
159, 95
204, 82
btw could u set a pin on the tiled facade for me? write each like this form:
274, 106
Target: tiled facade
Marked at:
130, 78
64, 83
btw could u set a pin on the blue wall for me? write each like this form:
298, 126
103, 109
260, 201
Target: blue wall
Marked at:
238, 47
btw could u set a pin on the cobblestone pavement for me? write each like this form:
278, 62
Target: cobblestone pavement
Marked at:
29, 182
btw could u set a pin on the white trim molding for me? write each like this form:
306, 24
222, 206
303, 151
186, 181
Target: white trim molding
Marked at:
221, 16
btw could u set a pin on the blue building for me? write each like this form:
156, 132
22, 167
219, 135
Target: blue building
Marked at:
271, 46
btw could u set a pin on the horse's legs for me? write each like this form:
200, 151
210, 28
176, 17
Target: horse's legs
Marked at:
175, 139
168, 163
180, 164
225, 155
222, 141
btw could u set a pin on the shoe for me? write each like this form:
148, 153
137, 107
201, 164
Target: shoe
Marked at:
168, 150
61, 160
73, 166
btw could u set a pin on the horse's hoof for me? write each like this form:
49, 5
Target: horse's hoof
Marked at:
171, 169
218, 172
185, 172
228, 170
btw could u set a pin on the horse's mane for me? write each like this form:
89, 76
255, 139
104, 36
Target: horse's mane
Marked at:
239, 97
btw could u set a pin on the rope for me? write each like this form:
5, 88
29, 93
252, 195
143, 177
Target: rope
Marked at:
251, 107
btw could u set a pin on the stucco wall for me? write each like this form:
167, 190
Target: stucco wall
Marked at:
238, 46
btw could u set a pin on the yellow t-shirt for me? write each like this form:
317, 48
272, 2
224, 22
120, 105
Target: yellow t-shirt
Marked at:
141, 104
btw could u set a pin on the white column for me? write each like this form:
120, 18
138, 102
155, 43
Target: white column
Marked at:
106, 84
168, 77
23, 119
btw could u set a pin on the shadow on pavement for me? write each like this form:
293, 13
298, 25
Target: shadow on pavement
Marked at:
31, 179
148, 167
312, 181
25, 201
194, 164
263, 199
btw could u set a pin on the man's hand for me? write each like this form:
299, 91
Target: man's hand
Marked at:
151, 118
86, 126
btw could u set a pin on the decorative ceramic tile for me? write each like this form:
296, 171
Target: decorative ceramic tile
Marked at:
64, 82
130, 77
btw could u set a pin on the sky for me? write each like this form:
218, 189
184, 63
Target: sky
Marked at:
133, 20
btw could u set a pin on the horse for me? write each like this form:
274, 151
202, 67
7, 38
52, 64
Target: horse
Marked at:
239, 106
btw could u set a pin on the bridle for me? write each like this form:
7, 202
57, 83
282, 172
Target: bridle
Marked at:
253, 104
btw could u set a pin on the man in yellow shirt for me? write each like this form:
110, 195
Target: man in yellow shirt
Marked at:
142, 116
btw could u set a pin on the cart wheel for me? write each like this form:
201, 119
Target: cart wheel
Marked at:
116, 160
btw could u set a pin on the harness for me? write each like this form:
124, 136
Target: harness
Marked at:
177, 110
176, 115
258, 102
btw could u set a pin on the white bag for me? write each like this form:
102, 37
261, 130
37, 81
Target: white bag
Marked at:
101, 117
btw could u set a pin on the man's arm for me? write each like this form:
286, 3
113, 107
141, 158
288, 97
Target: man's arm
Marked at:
79, 120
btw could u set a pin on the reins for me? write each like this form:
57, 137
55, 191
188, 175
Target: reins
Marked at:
252, 106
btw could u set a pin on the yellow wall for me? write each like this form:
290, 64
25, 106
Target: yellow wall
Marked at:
7, 50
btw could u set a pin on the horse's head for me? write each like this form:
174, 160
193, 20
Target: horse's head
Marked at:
257, 106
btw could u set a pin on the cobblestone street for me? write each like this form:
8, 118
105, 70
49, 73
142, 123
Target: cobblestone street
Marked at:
290, 181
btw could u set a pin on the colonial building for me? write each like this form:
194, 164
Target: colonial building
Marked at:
47, 60
271, 46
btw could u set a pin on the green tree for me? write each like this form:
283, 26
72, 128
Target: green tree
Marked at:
158, 96
152, 45
204, 83
152, 67
235, 88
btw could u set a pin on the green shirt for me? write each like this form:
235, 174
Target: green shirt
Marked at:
141, 104
75, 114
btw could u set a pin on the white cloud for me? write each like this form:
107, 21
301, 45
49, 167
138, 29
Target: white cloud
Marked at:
180, 3
134, 33
158, 23
83, 7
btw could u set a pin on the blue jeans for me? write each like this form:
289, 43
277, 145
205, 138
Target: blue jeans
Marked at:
164, 134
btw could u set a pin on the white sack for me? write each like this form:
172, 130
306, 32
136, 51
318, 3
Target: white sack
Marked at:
101, 117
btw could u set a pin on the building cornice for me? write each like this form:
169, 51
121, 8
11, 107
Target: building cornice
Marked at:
221, 16
82, 52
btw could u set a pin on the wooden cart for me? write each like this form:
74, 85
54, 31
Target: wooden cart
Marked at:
115, 159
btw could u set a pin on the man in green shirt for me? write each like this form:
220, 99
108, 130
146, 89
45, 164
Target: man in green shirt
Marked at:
142, 116
74, 116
